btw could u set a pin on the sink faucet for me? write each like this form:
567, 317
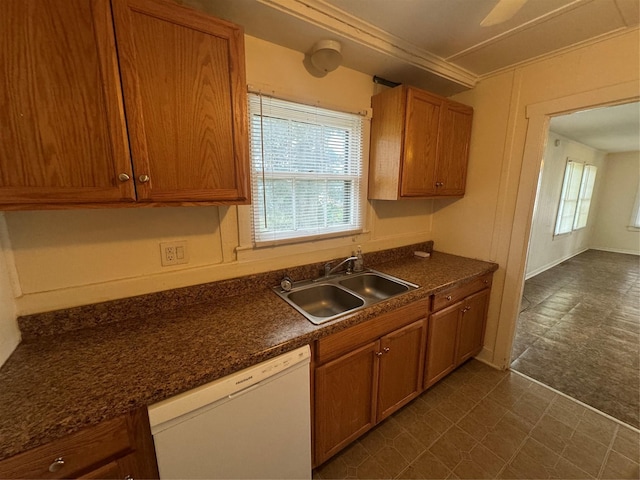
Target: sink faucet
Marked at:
328, 270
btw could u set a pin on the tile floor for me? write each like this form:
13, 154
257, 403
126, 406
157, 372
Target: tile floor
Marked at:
579, 331
483, 423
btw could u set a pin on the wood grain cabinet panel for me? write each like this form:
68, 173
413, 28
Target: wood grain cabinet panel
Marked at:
473, 320
441, 344
419, 145
63, 131
345, 400
72, 68
366, 383
112, 449
400, 378
456, 332
185, 96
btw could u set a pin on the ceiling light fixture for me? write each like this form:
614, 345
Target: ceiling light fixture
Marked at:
326, 55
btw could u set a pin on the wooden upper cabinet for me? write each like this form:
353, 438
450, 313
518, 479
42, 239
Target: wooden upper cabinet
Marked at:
72, 68
63, 135
419, 145
422, 123
454, 153
184, 85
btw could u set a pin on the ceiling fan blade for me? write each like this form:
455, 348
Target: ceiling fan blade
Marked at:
503, 11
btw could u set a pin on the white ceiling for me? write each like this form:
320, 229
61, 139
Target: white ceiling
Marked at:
438, 45
609, 129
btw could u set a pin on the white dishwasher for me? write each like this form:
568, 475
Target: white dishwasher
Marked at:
255, 423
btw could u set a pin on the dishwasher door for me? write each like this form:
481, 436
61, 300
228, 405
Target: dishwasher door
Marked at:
252, 424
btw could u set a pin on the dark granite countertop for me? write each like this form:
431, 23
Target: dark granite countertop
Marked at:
148, 348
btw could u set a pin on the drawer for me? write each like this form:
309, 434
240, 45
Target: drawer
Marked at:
81, 452
340, 343
455, 294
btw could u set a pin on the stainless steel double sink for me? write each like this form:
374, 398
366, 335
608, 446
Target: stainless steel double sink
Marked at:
328, 298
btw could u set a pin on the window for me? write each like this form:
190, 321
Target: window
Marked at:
306, 165
575, 199
634, 224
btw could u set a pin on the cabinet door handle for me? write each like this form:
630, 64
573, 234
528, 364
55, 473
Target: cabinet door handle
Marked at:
123, 177
439, 184
57, 464
128, 477
466, 309
379, 354
385, 350
144, 178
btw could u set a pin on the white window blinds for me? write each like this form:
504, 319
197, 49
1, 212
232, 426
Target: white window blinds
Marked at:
306, 167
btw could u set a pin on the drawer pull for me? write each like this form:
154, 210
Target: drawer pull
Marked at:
448, 297
57, 464
486, 282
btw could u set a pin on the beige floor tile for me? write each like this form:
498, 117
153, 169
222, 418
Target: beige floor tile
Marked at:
408, 446
620, 467
585, 452
528, 408
456, 406
627, 442
453, 446
468, 469
371, 468
539, 453
426, 466
504, 440
600, 429
354, 454
528, 467
567, 411
552, 433
335, 468
487, 460
392, 461
565, 470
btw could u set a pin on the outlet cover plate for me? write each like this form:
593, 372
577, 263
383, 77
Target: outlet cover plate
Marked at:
174, 253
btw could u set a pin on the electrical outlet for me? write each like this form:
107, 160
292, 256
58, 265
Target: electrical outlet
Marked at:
173, 253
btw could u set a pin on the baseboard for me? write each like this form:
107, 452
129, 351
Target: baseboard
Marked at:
546, 267
616, 250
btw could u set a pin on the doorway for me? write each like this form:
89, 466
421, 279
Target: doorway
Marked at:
578, 327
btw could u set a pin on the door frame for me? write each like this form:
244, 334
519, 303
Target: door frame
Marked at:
538, 116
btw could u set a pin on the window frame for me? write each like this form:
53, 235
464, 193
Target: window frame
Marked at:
358, 180
582, 194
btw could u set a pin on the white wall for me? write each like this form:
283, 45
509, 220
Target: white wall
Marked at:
621, 182
545, 249
9, 333
484, 224
73, 257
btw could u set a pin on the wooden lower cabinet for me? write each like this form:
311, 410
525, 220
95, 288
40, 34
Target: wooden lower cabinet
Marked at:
456, 333
117, 448
357, 386
441, 344
472, 325
400, 368
345, 400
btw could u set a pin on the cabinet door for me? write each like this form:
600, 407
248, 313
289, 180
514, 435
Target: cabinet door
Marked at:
184, 86
472, 324
63, 131
441, 344
453, 157
401, 365
345, 400
420, 144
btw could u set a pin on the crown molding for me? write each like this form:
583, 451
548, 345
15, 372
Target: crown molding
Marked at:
326, 16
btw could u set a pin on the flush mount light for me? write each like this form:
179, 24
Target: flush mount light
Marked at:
326, 55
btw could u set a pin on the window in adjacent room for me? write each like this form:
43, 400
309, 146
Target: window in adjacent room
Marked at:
306, 171
575, 198
634, 224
